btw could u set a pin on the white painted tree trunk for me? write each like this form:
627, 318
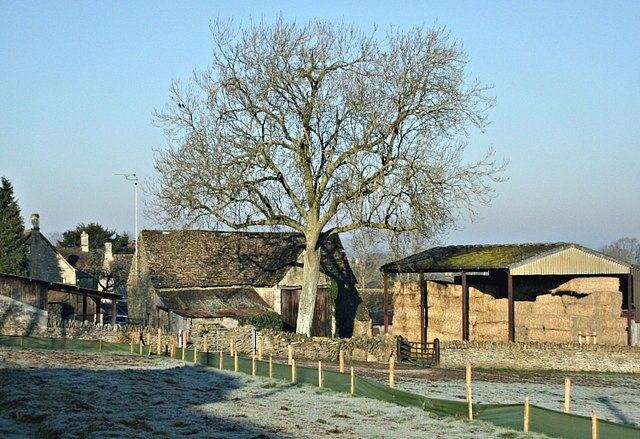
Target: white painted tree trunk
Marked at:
310, 279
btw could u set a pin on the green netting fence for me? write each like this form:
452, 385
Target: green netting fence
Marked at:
541, 420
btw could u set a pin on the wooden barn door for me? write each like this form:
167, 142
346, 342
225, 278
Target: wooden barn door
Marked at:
290, 302
321, 326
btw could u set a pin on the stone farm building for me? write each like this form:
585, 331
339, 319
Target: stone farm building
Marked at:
212, 278
524, 292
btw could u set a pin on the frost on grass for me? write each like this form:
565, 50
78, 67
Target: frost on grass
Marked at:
614, 397
68, 395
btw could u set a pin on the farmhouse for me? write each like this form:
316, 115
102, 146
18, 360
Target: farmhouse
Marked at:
220, 276
557, 292
47, 263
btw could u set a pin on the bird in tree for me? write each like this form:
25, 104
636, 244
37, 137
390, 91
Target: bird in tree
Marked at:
13, 253
323, 128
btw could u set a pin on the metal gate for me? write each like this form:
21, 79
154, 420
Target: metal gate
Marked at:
414, 352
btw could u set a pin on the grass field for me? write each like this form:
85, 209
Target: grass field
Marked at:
48, 394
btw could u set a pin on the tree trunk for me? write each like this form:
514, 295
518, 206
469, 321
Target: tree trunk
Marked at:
310, 278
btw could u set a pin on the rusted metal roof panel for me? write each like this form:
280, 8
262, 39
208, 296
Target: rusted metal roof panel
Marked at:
573, 260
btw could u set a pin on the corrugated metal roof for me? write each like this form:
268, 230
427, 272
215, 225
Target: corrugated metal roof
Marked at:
519, 259
573, 260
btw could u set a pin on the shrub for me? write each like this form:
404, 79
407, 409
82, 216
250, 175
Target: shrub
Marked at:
265, 320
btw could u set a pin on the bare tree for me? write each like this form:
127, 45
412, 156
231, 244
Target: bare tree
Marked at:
624, 249
324, 129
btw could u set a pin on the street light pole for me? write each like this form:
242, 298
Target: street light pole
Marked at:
134, 178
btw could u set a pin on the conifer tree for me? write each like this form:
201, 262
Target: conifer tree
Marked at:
13, 253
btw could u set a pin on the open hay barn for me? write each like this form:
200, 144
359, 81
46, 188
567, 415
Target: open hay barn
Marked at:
558, 292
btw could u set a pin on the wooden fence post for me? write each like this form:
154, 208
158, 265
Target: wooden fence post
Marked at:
159, 341
320, 374
392, 373
260, 350
205, 344
293, 370
235, 361
341, 356
353, 382
594, 425
469, 395
526, 415
290, 354
567, 395
270, 367
232, 350
195, 354
220, 360
253, 365
141, 345
184, 345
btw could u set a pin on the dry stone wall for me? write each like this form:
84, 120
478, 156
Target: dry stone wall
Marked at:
540, 356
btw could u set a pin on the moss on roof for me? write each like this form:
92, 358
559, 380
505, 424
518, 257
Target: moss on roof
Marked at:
479, 257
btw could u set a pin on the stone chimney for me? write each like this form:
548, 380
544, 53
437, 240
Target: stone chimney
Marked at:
108, 252
35, 221
84, 242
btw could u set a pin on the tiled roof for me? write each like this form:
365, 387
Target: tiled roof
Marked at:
213, 302
76, 257
197, 258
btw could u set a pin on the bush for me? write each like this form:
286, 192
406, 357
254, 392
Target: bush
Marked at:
265, 320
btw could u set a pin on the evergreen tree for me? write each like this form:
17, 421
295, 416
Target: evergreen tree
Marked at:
98, 235
13, 253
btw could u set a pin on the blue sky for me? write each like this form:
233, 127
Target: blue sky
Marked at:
79, 82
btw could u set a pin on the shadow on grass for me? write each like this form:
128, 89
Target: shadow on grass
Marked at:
134, 403
615, 410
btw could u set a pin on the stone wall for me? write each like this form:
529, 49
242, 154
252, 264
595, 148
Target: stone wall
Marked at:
540, 356
18, 318
557, 314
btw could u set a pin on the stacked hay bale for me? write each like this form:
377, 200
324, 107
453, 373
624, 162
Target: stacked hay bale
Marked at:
585, 305
589, 305
406, 310
488, 317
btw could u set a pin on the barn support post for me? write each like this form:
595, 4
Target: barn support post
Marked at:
629, 308
423, 312
114, 310
385, 277
511, 308
465, 306
84, 307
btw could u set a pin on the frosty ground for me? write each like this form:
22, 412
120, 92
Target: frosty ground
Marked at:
71, 395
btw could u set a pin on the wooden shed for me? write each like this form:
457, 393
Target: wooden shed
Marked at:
82, 303
524, 292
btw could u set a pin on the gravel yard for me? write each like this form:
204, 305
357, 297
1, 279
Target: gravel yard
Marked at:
69, 395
